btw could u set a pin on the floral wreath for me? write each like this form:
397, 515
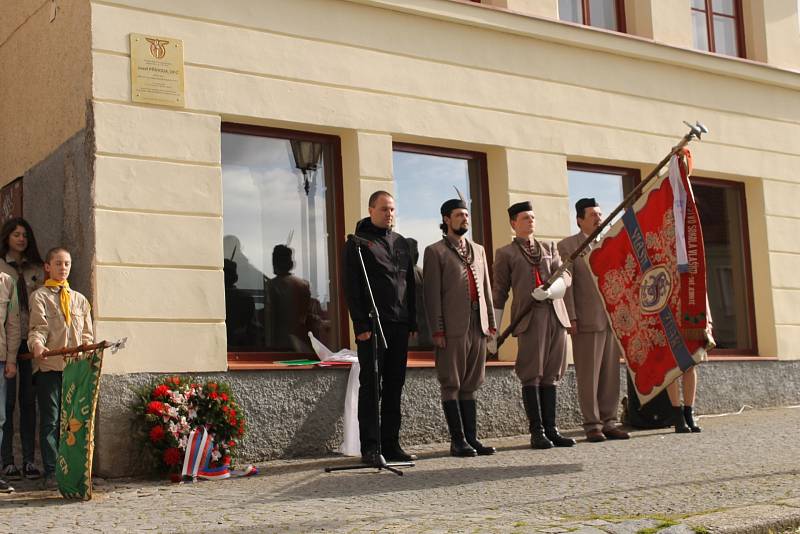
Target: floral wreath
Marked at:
170, 408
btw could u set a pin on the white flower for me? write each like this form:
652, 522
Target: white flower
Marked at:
215, 455
172, 411
192, 413
183, 441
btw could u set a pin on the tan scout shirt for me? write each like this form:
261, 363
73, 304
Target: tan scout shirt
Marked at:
34, 279
48, 326
9, 319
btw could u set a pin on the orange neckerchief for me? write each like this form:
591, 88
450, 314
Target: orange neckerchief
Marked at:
63, 295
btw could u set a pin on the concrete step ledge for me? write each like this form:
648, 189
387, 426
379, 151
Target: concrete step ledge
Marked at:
778, 517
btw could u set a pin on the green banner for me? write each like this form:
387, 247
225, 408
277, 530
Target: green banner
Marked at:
79, 392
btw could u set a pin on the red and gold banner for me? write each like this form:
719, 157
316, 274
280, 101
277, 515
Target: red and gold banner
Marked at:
651, 273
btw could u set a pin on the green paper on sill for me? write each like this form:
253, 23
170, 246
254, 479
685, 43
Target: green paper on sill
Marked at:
298, 362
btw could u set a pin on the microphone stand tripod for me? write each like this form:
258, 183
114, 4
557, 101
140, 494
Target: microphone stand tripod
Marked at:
377, 336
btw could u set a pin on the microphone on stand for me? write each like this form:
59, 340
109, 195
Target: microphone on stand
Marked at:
359, 240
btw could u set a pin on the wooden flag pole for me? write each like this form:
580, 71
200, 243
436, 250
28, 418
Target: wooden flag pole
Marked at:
695, 131
113, 345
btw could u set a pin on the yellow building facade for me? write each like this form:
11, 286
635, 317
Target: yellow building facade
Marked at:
537, 98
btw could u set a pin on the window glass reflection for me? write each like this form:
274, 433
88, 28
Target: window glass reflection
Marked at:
603, 14
570, 10
717, 30
422, 183
699, 31
725, 36
724, 7
276, 223
721, 215
607, 188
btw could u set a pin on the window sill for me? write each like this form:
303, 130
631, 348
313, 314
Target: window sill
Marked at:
425, 359
420, 361
239, 365
259, 362
740, 358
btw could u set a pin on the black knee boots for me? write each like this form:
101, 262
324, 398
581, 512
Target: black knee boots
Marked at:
458, 445
688, 415
679, 420
547, 394
530, 398
469, 415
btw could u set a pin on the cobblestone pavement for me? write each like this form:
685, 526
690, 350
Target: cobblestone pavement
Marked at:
738, 475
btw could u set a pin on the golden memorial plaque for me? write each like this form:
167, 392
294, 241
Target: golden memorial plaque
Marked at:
157, 70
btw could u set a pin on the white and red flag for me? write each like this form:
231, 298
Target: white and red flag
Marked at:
651, 273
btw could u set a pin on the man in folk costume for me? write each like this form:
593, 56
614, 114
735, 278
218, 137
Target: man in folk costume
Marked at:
594, 347
458, 301
523, 266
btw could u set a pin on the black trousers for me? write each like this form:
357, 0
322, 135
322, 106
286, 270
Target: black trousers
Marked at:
392, 371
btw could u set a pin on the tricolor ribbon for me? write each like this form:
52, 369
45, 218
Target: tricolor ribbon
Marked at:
197, 460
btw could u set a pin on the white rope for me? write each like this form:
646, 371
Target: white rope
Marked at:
742, 409
725, 414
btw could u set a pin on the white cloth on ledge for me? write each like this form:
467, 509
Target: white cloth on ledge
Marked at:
351, 444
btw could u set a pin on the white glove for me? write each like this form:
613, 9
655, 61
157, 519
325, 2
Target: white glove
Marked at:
558, 289
491, 345
540, 294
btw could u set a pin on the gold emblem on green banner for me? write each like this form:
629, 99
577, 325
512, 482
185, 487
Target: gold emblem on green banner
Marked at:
79, 392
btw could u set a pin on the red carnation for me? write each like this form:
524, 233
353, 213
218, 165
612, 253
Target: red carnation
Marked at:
155, 407
212, 386
226, 460
160, 391
175, 380
224, 396
213, 396
232, 413
231, 443
172, 456
156, 433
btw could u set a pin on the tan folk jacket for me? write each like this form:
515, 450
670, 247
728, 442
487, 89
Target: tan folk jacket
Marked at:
9, 319
34, 279
513, 272
447, 299
583, 300
48, 326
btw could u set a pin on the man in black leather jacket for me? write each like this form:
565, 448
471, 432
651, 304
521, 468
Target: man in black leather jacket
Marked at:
388, 262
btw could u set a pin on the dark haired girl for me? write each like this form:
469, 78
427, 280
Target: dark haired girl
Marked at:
19, 257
